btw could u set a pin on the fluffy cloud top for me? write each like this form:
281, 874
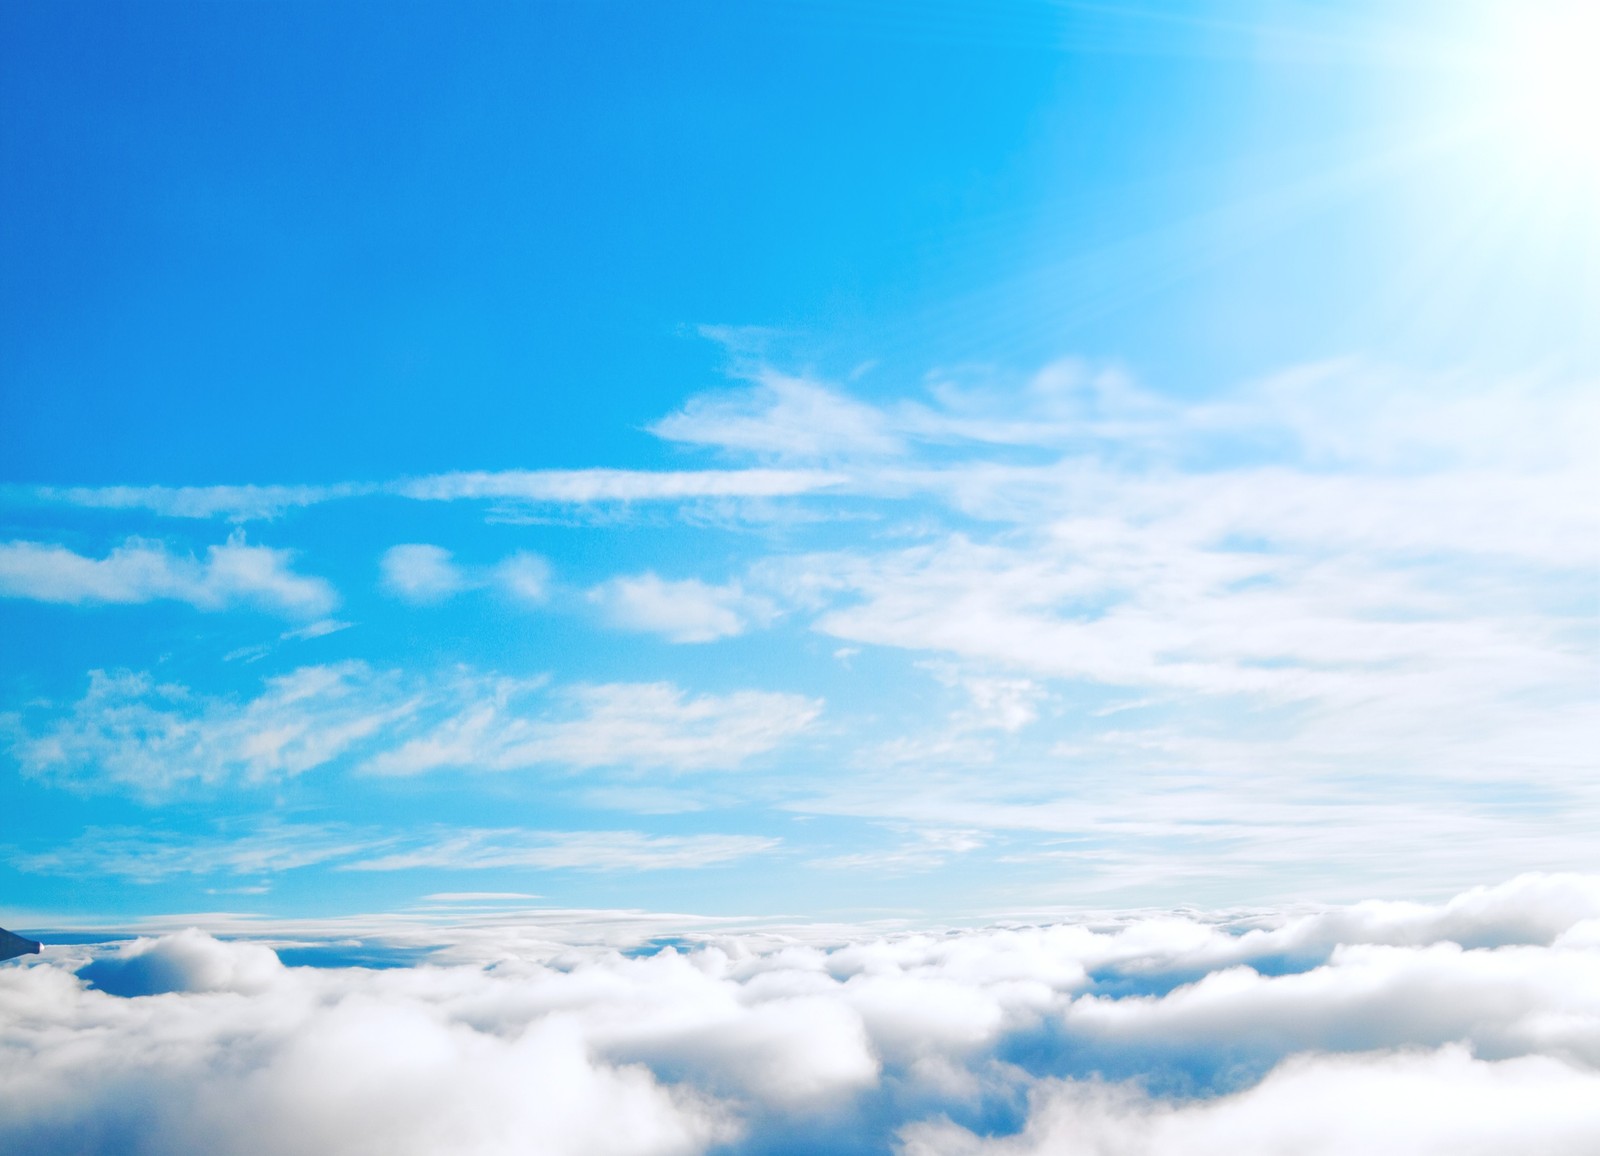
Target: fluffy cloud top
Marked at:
141, 571
1143, 1035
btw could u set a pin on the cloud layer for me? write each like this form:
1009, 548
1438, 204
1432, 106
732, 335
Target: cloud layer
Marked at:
1472, 1027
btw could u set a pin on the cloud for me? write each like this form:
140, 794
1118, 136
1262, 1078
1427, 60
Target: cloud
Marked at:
131, 732
189, 961
235, 503
609, 485
1140, 1034
154, 739
150, 854
143, 571
643, 725
925, 850
477, 850
1440, 1103
266, 850
524, 575
782, 417
422, 574
683, 611
476, 896
554, 487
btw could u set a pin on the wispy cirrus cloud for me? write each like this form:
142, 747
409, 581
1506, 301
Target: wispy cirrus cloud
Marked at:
150, 855
139, 570
263, 851
241, 503
612, 485
624, 725
478, 850
132, 733
244, 503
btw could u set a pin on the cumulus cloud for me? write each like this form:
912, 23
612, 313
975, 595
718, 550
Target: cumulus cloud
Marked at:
134, 733
682, 611
1128, 1035
421, 573
143, 571
523, 575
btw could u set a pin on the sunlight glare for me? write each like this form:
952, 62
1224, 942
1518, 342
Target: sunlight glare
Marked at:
1550, 89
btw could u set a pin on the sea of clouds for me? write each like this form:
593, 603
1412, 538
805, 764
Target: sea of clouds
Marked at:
1471, 1026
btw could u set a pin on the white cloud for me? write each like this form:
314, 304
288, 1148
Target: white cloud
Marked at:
556, 487
142, 571
421, 573
1131, 1035
575, 850
131, 732
1441, 1103
453, 897
157, 739
783, 417
525, 576
926, 849
682, 611
236, 503
607, 485
148, 854
643, 725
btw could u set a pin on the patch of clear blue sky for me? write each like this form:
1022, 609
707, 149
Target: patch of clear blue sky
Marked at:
317, 242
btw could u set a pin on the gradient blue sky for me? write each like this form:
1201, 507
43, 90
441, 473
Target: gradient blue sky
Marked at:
804, 458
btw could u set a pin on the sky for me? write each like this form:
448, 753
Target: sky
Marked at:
880, 578
806, 461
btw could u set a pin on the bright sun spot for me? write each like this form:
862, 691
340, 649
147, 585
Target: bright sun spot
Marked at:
1550, 85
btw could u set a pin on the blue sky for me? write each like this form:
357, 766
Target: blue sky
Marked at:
804, 459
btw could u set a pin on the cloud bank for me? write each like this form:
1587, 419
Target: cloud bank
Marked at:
1467, 1027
